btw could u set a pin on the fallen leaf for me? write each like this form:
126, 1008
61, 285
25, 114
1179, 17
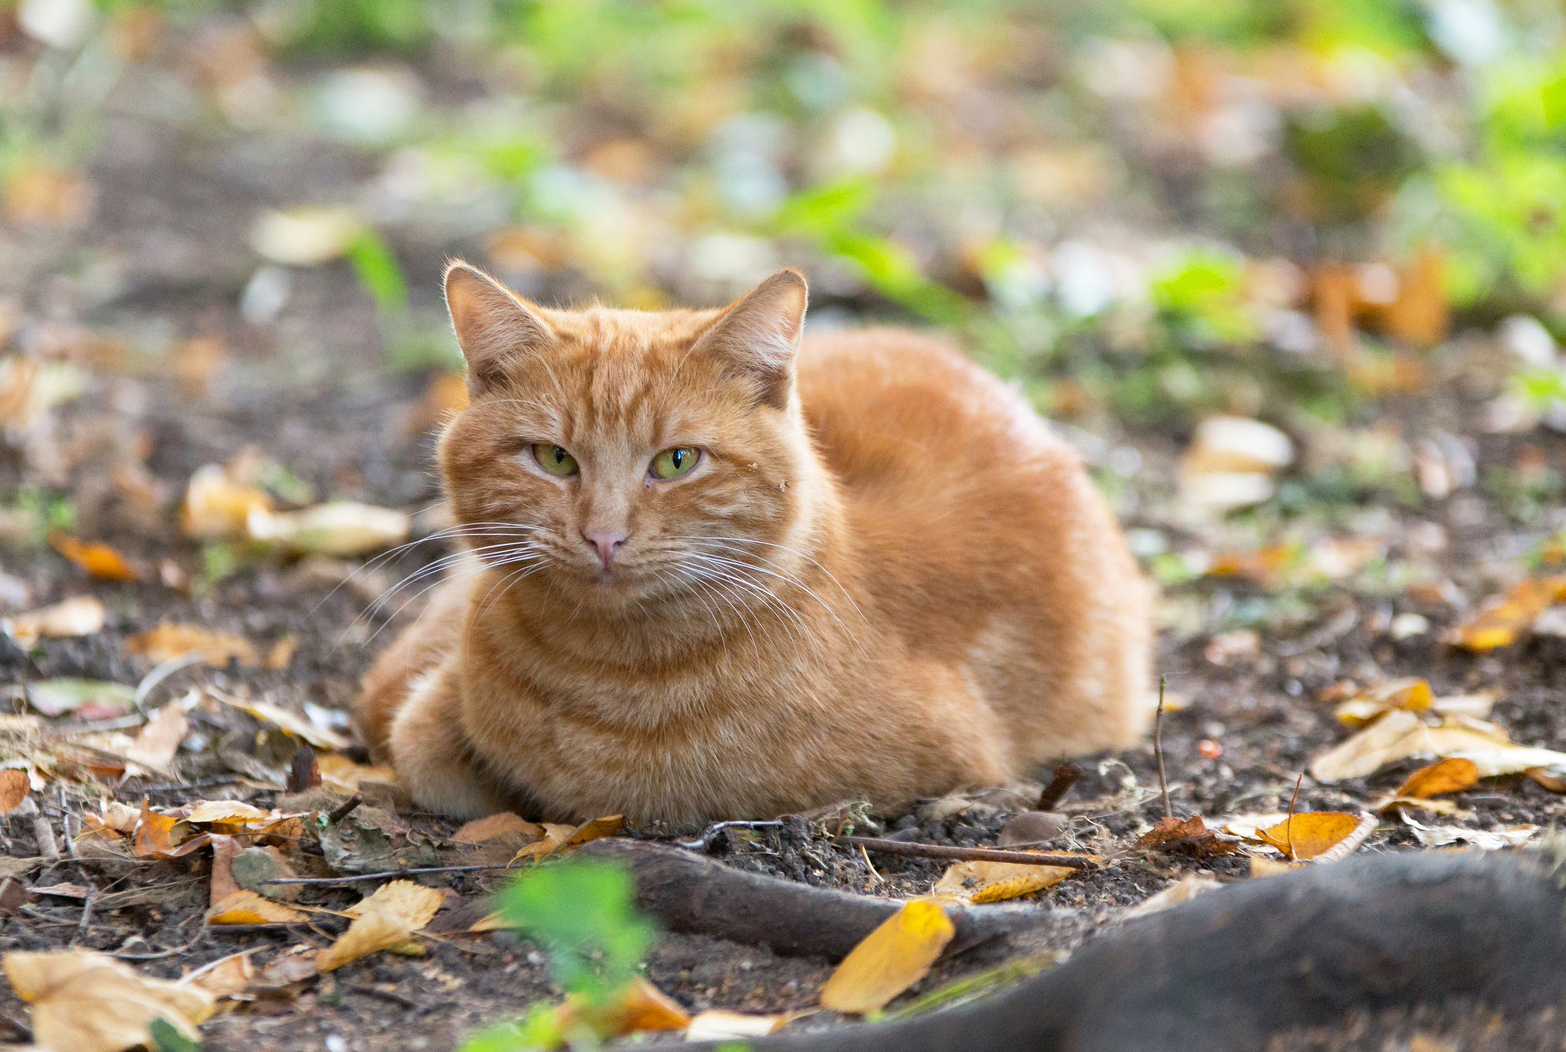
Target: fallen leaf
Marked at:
56, 697
385, 920
638, 1006
1501, 621
897, 954
14, 787
294, 965
160, 739
247, 907
81, 615
1261, 866
291, 723
88, 1002
340, 773
560, 838
1451, 775
342, 528
1399, 735
218, 505
1187, 836
96, 558
224, 850
63, 891
496, 825
167, 642
717, 1024
980, 882
224, 977
1484, 839
1412, 694
1553, 782
164, 836
1181, 891
1310, 834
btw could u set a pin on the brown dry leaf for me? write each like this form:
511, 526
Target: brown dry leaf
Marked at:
1502, 620
639, 1006
1187, 836
224, 977
342, 528
96, 558
496, 825
223, 884
897, 954
81, 615
85, 1001
218, 505
560, 838
1451, 775
1311, 833
980, 882
246, 907
291, 723
169, 641
14, 787
115, 818
164, 836
158, 741
385, 920
1553, 782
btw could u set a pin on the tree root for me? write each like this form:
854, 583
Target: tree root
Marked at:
1282, 953
687, 892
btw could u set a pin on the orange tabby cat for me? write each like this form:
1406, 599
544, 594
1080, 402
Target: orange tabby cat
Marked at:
717, 572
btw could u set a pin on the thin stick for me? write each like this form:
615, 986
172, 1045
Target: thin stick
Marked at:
1158, 750
344, 809
968, 854
387, 874
1288, 825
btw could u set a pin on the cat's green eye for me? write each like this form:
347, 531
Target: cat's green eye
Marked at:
672, 463
554, 460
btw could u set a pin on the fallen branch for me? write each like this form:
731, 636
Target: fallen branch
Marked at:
1275, 954
687, 892
967, 854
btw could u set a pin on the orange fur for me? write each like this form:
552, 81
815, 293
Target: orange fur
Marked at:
924, 591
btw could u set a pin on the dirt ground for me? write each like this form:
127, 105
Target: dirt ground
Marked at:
1247, 663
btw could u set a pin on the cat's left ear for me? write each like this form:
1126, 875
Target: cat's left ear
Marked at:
757, 337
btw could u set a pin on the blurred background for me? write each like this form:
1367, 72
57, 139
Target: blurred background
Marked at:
1291, 273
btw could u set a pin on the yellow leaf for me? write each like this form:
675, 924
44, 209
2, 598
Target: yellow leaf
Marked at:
98, 559
340, 773
1311, 833
163, 836
1451, 775
1501, 621
247, 907
638, 1006
341, 528
81, 615
85, 1001
897, 954
981, 882
169, 641
1411, 695
218, 505
561, 838
717, 1024
385, 920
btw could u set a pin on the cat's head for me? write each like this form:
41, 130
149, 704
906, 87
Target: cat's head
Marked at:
607, 453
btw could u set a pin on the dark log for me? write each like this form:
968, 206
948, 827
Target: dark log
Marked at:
1274, 954
688, 892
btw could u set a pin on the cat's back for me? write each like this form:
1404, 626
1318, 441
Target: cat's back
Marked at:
979, 536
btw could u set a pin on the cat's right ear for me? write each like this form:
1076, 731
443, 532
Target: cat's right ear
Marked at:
493, 325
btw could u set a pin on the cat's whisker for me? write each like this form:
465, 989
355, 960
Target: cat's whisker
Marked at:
765, 595
739, 565
506, 551
732, 542
445, 532
442, 563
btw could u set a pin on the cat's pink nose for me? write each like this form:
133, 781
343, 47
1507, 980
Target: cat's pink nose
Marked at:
608, 543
